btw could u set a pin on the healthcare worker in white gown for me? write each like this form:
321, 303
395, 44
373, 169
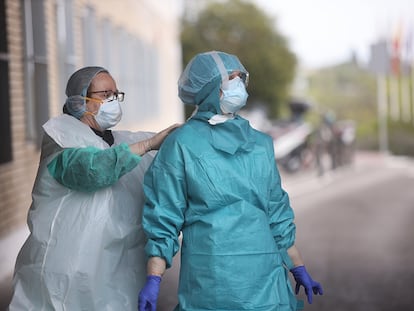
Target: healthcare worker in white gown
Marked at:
85, 250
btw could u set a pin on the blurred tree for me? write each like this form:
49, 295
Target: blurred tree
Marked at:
349, 91
239, 27
401, 140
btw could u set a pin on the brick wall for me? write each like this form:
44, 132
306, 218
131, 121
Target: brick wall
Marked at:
16, 177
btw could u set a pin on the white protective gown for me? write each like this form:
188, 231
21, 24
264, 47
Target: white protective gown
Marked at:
85, 250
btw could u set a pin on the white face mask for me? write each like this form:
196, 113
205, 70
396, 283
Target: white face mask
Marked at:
109, 114
234, 96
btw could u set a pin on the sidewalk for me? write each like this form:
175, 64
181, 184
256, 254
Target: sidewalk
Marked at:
10, 247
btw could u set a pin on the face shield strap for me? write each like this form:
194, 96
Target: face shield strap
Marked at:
193, 114
222, 69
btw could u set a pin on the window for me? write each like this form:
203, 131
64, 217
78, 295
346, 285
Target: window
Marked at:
5, 141
139, 79
90, 39
36, 82
133, 63
66, 44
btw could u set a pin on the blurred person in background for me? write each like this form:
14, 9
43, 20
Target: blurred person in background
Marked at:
326, 143
85, 250
215, 180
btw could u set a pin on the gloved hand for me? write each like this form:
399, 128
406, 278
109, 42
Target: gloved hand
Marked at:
147, 299
303, 278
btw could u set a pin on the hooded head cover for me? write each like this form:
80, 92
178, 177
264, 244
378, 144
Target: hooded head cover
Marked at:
77, 88
205, 74
200, 85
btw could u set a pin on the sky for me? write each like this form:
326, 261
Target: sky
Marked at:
327, 32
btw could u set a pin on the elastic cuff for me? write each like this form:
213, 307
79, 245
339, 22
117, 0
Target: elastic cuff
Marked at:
156, 278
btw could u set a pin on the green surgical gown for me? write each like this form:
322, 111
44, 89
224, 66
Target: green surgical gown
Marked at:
219, 185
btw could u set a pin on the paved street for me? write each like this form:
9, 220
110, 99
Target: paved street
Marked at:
355, 233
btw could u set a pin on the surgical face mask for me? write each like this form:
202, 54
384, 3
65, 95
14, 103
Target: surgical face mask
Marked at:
234, 96
109, 114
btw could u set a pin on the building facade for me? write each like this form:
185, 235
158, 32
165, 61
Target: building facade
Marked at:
42, 42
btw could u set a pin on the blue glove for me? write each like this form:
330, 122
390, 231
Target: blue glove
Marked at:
147, 299
303, 278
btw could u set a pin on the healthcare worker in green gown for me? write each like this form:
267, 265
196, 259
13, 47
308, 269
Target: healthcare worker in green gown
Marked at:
215, 180
85, 250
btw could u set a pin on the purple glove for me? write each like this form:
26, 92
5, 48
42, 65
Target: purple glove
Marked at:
303, 278
147, 299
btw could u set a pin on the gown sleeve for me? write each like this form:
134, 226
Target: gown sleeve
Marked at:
90, 169
280, 212
166, 192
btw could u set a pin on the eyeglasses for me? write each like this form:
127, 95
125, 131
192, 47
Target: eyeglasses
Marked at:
111, 95
244, 76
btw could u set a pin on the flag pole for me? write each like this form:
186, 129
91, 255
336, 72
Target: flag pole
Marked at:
382, 113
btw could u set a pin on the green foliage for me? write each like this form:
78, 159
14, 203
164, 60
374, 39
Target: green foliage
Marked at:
346, 89
239, 27
401, 138
351, 93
